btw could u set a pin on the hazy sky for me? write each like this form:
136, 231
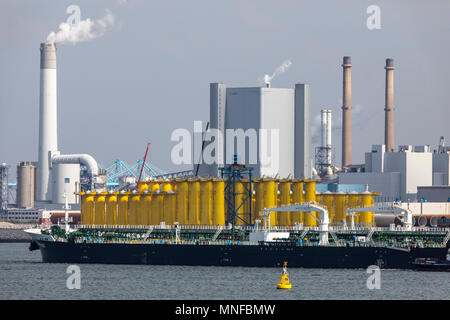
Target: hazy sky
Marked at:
150, 73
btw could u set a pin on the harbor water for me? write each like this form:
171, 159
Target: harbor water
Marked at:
24, 276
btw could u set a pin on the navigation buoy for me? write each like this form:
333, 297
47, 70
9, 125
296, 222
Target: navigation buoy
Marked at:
284, 281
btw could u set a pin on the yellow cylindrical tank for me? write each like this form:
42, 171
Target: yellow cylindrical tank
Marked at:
194, 202
206, 198
89, 208
156, 208
122, 214
218, 217
167, 211
367, 218
133, 209
239, 205
297, 197
284, 218
310, 195
100, 209
145, 207
339, 208
82, 207
259, 199
181, 202
269, 199
111, 209
352, 202
328, 201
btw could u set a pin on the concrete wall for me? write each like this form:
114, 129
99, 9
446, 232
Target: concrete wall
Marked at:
303, 164
434, 193
441, 166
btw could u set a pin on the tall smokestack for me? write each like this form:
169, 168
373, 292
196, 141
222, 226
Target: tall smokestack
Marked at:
389, 110
347, 113
48, 140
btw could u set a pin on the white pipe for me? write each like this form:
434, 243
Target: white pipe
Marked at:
83, 159
48, 138
323, 128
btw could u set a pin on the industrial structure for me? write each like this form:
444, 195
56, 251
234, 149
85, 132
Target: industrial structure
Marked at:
389, 110
323, 155
278, 118
347, 112
3, 187
26, 184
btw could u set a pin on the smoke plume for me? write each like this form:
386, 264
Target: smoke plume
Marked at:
283, 68
85, 30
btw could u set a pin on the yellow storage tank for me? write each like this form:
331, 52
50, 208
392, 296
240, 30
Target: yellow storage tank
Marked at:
182, 202
111, 209
156, 208
284, 218
259, 199
218, 217
133, 209
327, 200
194, 202
82, 207
100, 209
122, 214
297, 197
206, 198
269, 199
310, 195
367, 218
167, 211
339, 208
89, 208
352, 202
145, 206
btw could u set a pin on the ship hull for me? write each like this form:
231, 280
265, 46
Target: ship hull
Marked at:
272, 255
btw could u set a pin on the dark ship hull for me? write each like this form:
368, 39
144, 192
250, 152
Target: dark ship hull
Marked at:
262, 255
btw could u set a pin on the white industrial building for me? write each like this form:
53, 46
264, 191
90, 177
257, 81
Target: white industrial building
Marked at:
279, 116
397, 175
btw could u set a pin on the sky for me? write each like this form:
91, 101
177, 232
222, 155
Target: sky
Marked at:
149, 73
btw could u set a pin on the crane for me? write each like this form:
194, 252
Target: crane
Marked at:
142, 167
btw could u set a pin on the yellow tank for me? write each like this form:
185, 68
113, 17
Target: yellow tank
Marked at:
352, 202
133, 210
156, 208
194, 202
310, 195
259, 199
218, 217
239, 199
100, 209
339, 208
328, 201
277, 196
284, 218
297, 197
89, 208
82, 207
167, 211
111, 209
206, 198
181, 202
367, 218
269, 199
143, 187
145, 207
122, 214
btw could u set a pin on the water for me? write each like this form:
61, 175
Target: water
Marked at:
24, 276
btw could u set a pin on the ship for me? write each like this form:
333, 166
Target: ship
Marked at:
238, 247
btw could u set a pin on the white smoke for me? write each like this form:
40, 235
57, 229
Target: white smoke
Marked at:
84, 30
283, 68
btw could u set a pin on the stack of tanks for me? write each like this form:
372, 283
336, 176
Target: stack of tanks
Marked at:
203, 202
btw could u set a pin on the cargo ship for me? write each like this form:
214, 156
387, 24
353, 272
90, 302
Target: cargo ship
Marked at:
204, 223
249, 248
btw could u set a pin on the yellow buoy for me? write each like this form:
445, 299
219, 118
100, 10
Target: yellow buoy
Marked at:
284, 281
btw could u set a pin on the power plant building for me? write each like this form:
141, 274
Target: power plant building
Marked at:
397, 175
267, 128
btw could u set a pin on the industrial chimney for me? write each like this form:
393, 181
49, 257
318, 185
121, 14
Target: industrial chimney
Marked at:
347, 113
48, 138
389, 110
